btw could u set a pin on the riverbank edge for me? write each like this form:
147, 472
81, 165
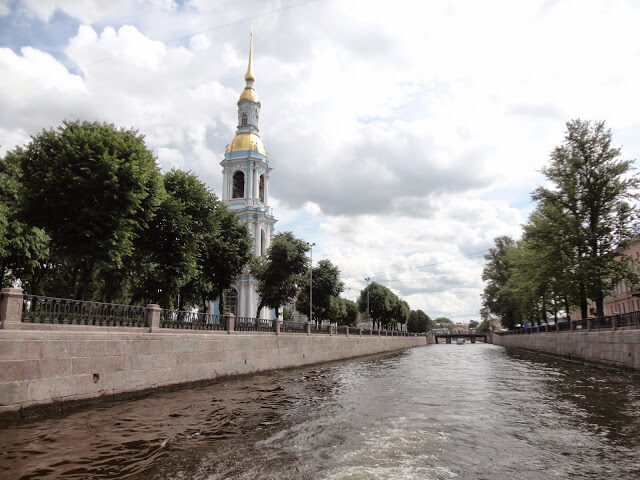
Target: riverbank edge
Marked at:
45, 376
60, 409
619, 349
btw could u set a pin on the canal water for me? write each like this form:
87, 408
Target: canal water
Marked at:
437, 412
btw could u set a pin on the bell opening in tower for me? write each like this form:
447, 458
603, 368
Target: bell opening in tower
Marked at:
238, 185
261, 188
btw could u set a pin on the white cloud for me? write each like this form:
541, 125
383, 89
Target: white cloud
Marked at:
4, 8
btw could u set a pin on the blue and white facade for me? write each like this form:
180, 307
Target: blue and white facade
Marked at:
245, 189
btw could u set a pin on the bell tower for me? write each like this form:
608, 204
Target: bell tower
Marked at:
245, 189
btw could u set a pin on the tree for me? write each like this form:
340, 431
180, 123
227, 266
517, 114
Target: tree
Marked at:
170, 249
23, 248
419, 322
224, 252
592, 189
484, 327
400, 312
92, 188
443, 320
381, 301
473, 324
326, 290
496, 297
281, 271
349, 313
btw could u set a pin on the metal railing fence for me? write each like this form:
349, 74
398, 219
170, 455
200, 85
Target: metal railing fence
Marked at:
293, 327
609, 322
180, 319
41, 309
250, 324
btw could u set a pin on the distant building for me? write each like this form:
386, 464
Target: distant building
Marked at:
460, 328
624, 298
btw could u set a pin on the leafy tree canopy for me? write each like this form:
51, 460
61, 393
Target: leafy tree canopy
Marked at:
280, 271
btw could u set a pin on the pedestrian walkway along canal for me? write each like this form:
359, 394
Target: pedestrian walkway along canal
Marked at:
437, 412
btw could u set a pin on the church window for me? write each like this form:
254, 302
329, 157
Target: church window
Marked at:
238, 185
261, 188
243, 122
262, 243
231, 301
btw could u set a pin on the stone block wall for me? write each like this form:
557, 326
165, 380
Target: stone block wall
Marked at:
62, 364
616, 348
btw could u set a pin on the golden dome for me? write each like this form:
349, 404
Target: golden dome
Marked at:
249, 94
247, 141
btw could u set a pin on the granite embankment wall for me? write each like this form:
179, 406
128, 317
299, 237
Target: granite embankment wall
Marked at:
616, 348
50, 366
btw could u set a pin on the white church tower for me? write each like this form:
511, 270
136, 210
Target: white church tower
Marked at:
245, 189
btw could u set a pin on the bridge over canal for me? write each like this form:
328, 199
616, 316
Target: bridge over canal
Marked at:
471, 336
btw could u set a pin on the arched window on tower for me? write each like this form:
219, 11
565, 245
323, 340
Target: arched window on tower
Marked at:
261, 188
263, 243
238, 185
231, 301
243, 122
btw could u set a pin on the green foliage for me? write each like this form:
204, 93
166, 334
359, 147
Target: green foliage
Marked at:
287, 314
99, 221
595, 194
571, 248
484, 327
281, 271
497, 298
386, 309
348, 313
443, 320
96, 189
326, 290
419, 322
400, 313
473, 324
23, 248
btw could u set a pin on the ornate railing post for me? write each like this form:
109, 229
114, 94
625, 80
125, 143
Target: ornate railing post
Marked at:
153, 317
614, 322
11, 306
308, 327
589, 324
229, 322
330, 329
276, 326
360, 331
347, 330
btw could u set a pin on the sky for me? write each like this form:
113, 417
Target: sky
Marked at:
404, 136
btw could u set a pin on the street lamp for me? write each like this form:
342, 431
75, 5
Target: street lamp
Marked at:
311, 245
368, 279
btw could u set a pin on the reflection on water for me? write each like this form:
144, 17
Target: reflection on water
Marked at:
437, 412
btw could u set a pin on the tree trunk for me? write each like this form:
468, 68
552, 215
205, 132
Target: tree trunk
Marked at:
599, 303
583, 301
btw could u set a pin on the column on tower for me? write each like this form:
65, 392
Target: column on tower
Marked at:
254, 193
266, 189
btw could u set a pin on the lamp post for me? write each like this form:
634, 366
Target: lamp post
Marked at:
311, 245
368, 279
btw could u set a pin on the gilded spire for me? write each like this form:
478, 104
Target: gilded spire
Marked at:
249, 77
